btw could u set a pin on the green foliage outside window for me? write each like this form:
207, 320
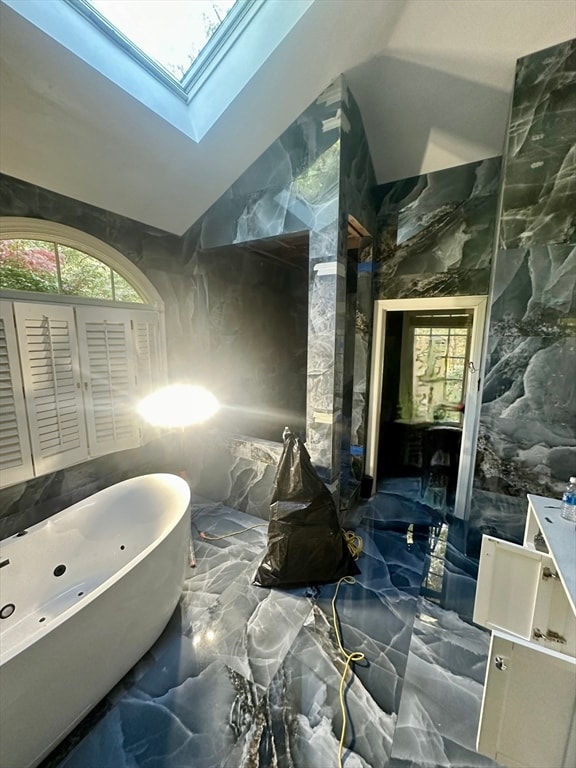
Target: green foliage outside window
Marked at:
83, 275
123, 291
28, 265
34, 265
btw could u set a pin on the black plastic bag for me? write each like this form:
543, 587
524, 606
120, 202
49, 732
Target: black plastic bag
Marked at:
305, 542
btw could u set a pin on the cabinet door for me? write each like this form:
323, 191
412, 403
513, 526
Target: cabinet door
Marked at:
509, 577
529, 707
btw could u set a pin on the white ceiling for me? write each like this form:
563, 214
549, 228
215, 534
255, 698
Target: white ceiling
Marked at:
433, 80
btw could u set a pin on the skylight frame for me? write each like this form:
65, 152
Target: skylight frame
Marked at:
235, 19
219, 78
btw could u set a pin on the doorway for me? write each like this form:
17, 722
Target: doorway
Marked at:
424, 397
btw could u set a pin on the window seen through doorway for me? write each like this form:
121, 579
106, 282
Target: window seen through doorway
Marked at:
435, 350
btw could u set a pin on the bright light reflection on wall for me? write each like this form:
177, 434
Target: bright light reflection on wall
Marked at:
179, 405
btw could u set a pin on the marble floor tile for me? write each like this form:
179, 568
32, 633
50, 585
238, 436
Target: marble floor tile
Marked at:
299, 720
246, 677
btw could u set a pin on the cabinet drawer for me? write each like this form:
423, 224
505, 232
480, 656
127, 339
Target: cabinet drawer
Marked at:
528, 715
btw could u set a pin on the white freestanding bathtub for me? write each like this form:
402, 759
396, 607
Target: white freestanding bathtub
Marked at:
83, 596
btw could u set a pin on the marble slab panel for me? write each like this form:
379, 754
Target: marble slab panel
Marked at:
238, 473
544, 106
539, 199
458, 235
513, 458
433, 190
527, 434
534, 291
470, 282
292, 186
431, 241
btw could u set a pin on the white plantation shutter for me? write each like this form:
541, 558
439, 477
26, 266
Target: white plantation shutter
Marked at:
70, 380
15, 456
50, 372
150, 367
109, 376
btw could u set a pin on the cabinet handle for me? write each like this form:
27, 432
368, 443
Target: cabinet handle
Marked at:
500, 663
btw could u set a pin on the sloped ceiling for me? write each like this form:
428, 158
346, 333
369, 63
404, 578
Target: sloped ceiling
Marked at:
433, 80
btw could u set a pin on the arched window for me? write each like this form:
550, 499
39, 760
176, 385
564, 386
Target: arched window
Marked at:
81, 342
47, 257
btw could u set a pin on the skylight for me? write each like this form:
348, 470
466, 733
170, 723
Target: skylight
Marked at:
171, 32
186, 60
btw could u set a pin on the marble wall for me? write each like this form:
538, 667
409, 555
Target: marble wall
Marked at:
257, 333
357, 213
527, 434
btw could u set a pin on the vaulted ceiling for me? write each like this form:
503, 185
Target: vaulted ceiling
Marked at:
433, 80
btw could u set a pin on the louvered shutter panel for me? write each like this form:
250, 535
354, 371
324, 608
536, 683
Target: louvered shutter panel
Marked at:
150, 363
50, 372
15, 455
150, 366
109, 378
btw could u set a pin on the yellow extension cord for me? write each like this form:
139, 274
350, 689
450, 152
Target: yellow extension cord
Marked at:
354, 544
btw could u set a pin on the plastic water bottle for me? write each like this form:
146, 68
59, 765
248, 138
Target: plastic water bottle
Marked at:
569, 501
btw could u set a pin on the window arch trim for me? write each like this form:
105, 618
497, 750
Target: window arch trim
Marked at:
15, 227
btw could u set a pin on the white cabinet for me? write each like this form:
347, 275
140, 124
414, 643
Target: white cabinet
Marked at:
527, 595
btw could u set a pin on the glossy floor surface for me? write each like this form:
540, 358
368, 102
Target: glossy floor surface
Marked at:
246, 677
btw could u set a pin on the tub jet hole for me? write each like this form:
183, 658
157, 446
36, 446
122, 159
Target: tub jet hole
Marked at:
42, 619
122, 546
59, 570
7, 610
21, 533
80, 594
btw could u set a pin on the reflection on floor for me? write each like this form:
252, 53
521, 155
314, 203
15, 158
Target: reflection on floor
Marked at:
245, 677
